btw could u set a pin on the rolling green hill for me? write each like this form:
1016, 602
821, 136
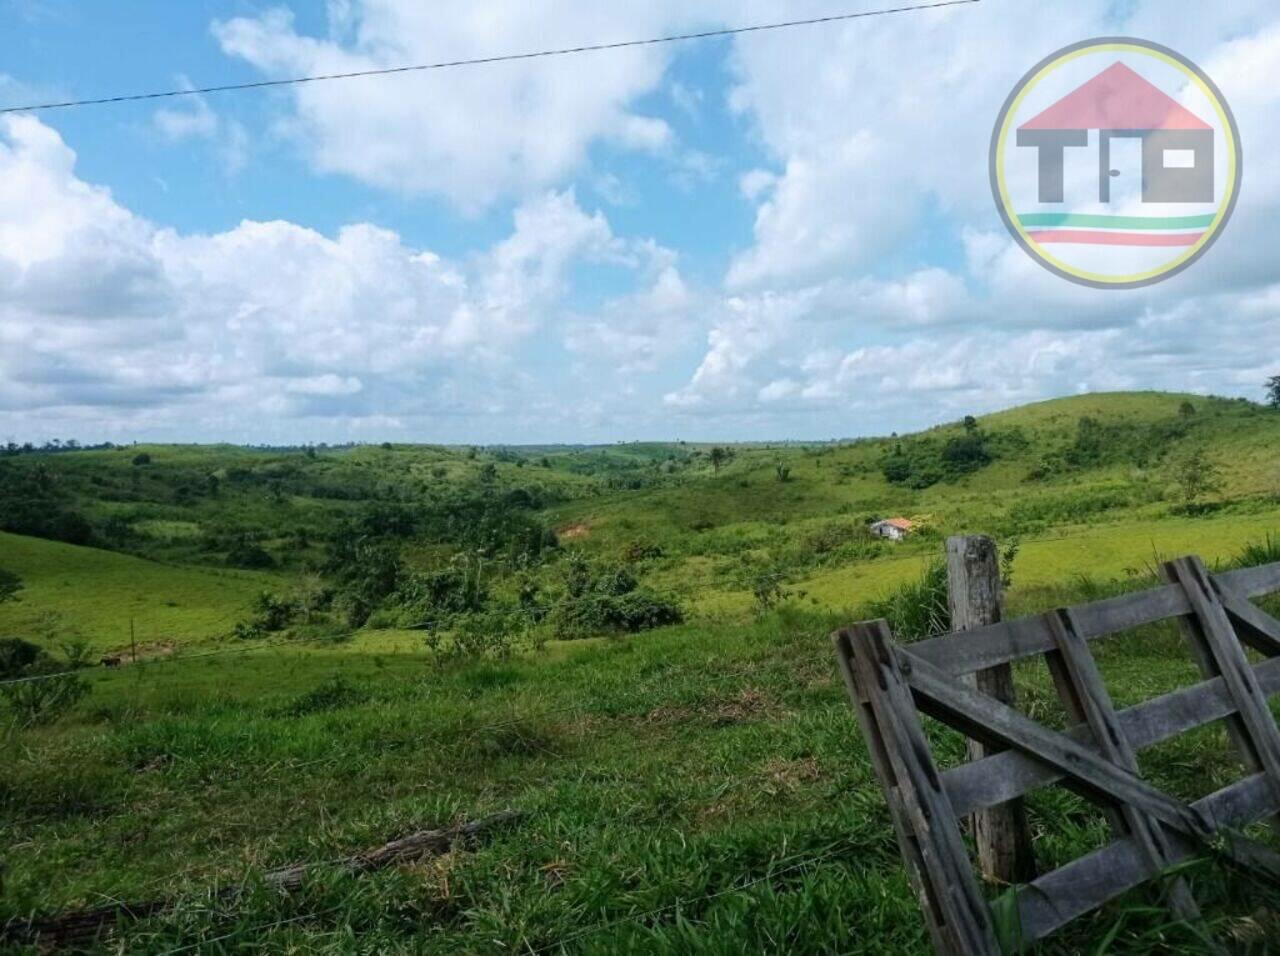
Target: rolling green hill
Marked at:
1092, 478
697, 788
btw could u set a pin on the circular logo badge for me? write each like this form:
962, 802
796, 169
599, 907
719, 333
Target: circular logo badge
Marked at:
1116, 163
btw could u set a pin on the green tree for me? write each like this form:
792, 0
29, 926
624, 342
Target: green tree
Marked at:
1187, 410
718, 457
10, 585
1196, 475
1273, 391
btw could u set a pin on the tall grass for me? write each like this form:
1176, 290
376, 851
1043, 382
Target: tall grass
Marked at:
917, 609
1266, 551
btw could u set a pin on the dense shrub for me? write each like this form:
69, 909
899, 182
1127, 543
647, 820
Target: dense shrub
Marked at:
440, 595
367, 572
768, 590
43, 517
607, 598
249, 556
54, 689
597, 613
17, 655
923, 462
10, 585
1097, 444
44, 701
484, 635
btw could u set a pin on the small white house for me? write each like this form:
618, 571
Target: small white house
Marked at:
895, 529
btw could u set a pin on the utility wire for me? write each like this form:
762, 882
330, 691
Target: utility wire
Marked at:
505, 58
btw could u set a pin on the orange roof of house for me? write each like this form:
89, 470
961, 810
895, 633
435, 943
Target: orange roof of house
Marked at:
902, 524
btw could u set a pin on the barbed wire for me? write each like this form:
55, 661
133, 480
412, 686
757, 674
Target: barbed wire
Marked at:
470, 733
700, 900
250, 645
678, 904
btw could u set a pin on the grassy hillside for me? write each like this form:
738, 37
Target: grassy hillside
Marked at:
700, 787
96, 594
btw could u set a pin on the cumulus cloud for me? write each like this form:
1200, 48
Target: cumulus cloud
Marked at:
470, 135
105, 314
873, 286
879, 139
636, 333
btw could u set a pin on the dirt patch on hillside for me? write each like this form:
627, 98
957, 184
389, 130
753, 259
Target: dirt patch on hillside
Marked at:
573, 531
148, 650
750, 703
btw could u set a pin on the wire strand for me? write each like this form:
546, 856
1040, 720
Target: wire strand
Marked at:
503, 58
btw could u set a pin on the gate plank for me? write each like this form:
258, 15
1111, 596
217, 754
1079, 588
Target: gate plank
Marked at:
1259, 630
1083, 691
956, 913
1088, 882
1010, 774
1023, 637
1251, 582
983, 718
1218, 652
1014, 640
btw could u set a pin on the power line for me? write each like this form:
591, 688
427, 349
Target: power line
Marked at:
505, 58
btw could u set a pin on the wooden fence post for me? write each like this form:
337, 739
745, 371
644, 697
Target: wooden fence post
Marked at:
973, 583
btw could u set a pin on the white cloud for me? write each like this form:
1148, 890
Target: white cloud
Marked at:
471, 135
324, 385
635, 334
879, 132
875, 287
193, 119
105, 317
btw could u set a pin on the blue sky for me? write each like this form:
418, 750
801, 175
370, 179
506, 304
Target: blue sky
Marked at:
781, 235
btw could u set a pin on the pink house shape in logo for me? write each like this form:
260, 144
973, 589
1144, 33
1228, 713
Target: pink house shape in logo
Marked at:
1177, 146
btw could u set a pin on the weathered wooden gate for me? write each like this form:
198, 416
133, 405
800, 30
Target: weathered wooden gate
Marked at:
892, 684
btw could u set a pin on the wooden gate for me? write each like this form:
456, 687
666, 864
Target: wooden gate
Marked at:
892, 684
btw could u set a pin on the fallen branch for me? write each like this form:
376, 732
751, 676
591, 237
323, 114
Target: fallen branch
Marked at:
81, 927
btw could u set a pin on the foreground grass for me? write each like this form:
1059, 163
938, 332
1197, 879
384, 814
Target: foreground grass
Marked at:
696, 790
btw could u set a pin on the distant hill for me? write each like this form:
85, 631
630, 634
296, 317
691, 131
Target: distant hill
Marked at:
221, 524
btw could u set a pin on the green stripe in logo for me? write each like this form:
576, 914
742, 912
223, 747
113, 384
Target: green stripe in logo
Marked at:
1062, 219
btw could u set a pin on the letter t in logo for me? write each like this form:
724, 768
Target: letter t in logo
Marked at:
1052, 144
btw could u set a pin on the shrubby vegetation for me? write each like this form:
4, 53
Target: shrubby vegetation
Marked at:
535, 543
1097, 444
606, 598
917, 609
37, 686
10, 586
926, 460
